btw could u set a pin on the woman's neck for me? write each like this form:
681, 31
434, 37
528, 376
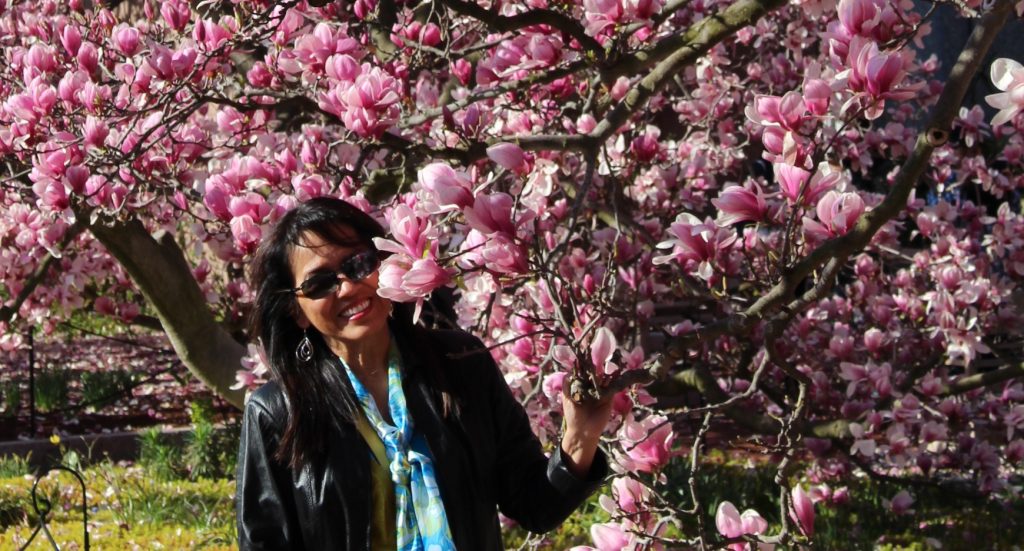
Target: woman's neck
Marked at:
367, 356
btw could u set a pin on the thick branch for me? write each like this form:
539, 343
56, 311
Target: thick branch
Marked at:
158, 267
511, 23
980, 380
677, 52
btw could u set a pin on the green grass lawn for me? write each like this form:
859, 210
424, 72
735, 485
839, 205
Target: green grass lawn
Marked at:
136, 507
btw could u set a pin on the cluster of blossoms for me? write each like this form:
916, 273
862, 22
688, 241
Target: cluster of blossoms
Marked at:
579, 244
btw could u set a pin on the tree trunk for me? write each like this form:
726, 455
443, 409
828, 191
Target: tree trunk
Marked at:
158, 267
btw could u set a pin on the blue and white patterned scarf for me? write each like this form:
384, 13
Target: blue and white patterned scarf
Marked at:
421, 523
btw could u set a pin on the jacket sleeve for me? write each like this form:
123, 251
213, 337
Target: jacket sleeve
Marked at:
265, 513
536, 491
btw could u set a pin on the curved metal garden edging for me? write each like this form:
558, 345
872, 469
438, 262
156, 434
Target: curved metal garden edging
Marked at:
46, 507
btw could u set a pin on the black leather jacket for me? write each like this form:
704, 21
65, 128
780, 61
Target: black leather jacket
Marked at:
486, 457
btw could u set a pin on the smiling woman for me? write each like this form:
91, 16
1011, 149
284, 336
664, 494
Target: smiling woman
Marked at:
375, 433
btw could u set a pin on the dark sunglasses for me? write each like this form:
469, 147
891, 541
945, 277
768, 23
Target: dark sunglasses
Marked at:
354, 268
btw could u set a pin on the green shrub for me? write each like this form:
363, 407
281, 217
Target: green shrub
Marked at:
209, 451
14, 466
102, 388
52, 388
158, 456
10, 397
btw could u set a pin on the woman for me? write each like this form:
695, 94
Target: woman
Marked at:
321, 466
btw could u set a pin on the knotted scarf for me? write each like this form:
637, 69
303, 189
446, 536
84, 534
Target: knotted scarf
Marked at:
421, 523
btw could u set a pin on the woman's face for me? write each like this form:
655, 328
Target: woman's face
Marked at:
353, 313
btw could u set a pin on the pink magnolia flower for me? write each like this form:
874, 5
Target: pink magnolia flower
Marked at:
837, 213
126, 39
934, 432
873, 19
817, 94
491, 214
404, 279
786, 112
523, 52
875, 76
732, 524
41, 58
176, 13
610, 537
259, 75
313, 49
552, 385
727, 520
462, 70
739, 204
642, 9
33, 104
645, 146
371, 103
51, 194
601, 350
794, 181
696, 244
88, 57
391, 272
212, 35
497, 252
1015, 451
861, 17
629, 493
803, 510
362, 8
447, 189
246, 233
416, 33
424, 276
601, 14
411, 232
791, 179
75, 178
309, 186
1008, 76
507, 155
251, 204
343, 67
95, 132
1014, 420
900, 503
647, 444
71, 39
105, 305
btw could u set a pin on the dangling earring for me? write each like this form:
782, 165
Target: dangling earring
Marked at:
304, 352
391, 309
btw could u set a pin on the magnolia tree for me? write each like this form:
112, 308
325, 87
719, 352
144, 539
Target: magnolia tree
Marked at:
777, 207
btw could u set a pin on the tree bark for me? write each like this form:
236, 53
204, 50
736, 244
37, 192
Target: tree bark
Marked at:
159, 269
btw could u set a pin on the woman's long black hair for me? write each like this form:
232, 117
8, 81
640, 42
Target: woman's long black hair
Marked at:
317, 392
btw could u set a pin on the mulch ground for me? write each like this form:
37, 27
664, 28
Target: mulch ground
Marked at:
159, 393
